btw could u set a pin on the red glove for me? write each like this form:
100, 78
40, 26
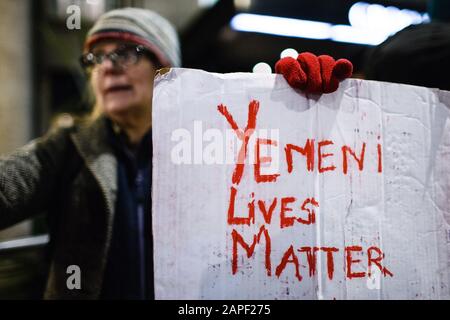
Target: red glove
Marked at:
314, 74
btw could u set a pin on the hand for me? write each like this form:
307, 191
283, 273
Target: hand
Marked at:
314, 74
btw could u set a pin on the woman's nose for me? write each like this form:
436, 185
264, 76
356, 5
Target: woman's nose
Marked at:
109, 65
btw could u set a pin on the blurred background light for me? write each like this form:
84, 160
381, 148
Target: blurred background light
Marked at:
370, 24
206, 3
349, 34
262, 67
280, 26
388, 19
289, 52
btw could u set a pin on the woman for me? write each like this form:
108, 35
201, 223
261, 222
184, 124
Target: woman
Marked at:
94, 179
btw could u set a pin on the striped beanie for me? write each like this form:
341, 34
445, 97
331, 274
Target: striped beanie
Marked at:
140, 26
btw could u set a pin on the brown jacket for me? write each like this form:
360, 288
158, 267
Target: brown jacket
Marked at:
72, 175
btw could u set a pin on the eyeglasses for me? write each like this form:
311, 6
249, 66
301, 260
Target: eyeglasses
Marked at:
123, 57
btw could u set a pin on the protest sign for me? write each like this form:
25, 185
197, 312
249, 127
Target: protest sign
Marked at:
262, 192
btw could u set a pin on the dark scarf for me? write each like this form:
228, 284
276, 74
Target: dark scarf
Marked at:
129, 271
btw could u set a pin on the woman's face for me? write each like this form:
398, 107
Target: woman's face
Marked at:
122, 92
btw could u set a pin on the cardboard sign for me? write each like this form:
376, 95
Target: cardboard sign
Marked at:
263, 192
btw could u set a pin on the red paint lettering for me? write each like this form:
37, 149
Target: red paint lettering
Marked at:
258, 177
377, 261
244, 136
348, 254
330, 261
360, 161
311, 213
324, 155
232, 220
380, 165
267, 214
307, 150
237, 238
311, 257
285, 260
286, 221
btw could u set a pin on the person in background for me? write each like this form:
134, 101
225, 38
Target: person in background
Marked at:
94, 179
417, 55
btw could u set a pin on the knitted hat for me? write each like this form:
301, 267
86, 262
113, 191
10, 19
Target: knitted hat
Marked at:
140, 26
